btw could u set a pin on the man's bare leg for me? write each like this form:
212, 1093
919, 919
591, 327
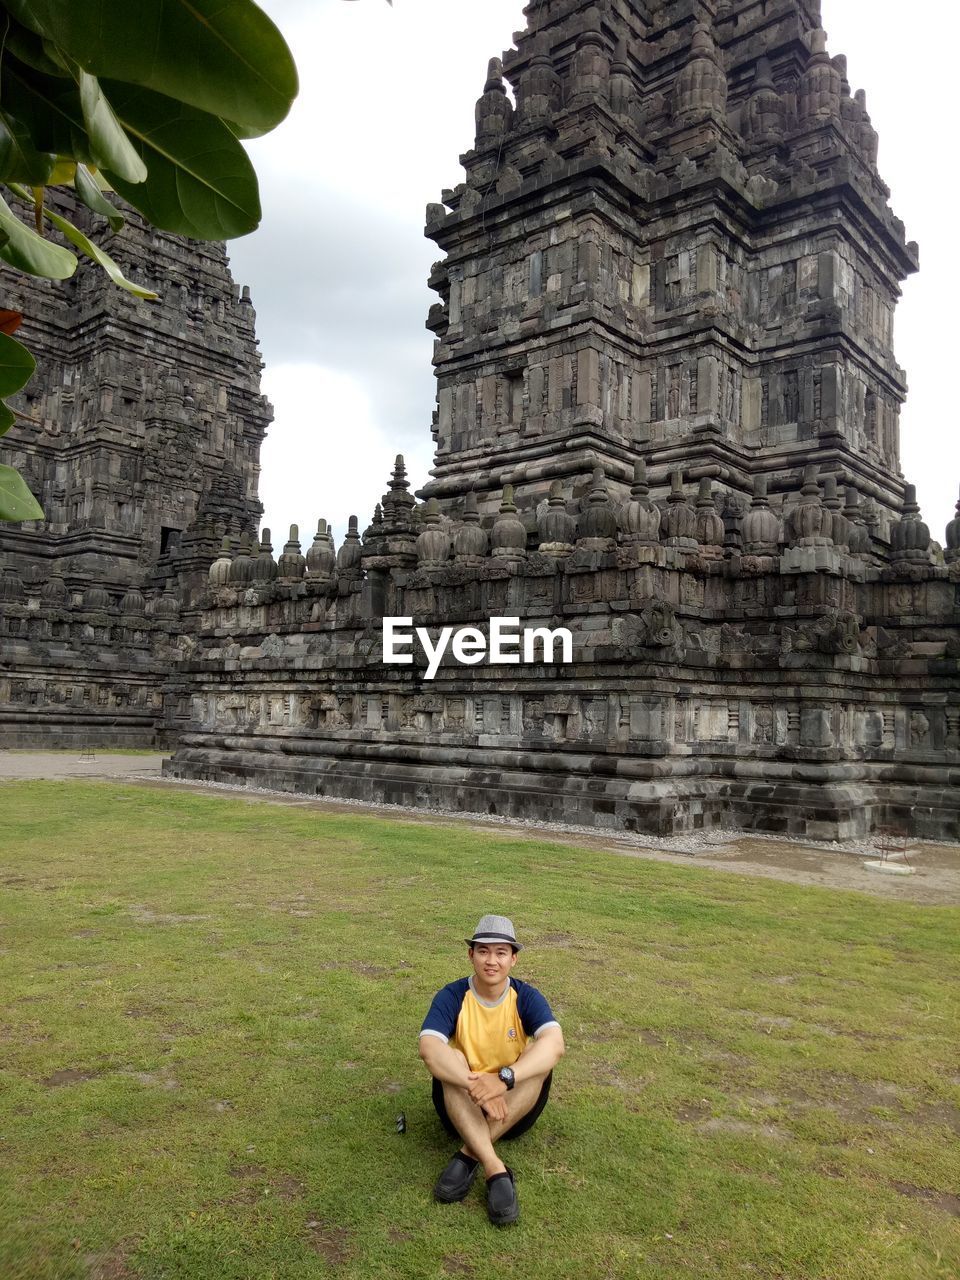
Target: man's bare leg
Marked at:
472, 1124
478, 1130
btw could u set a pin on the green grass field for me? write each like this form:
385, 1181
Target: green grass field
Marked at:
208, 1019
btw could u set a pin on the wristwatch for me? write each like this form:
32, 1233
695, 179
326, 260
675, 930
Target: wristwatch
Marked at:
506, 1075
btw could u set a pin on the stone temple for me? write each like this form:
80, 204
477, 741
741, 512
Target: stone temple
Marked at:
141, 438
667, 421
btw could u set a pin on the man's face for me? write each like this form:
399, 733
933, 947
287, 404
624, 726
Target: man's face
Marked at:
492, 961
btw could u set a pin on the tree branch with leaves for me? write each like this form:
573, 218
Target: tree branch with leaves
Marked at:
149, 100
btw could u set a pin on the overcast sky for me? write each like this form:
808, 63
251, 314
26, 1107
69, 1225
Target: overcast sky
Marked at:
338, 268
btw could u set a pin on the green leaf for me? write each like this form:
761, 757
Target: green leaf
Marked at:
243, 131
86, 188
31, 253
200, 181
16, 366
49, 108
29, 48
109, 145
7, 418
16, 500
20, 161
224, 57
102, 259
57, 58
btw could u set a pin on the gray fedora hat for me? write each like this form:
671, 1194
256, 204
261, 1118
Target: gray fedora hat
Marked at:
494, 929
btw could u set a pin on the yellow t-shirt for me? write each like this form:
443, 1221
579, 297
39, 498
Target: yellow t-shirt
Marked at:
489, 1037
489, 1034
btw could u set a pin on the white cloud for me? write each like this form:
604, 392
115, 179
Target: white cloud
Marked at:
338, 270
327, 455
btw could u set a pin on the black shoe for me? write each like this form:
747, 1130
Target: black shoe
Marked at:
502, 1205
456, 1179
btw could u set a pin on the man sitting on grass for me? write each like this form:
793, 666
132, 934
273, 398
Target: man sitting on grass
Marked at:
491, 1043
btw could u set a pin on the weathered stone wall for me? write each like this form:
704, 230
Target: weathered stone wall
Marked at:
141, 437
79, 672
807, 687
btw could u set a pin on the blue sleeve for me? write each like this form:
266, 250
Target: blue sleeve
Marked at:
535, 1013
441, 1019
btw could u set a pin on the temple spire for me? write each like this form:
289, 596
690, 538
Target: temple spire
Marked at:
553, 334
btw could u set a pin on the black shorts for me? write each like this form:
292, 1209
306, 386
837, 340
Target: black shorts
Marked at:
523, 1124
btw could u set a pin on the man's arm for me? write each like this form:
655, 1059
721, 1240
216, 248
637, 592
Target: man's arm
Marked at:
542, 1056
445, 1064
449, 1066
539, 1057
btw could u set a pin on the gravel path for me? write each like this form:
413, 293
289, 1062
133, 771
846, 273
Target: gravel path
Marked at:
31, 765
836, 865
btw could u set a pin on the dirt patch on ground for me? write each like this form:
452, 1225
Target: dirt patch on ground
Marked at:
940, 1115
298, 906
729, 1124
286, 1186
849, 1095
144, 915
767, 1021
455, 1264
943, 1200
26, 766
260, 1183
152, 1080
111, 1265
650, 1038
936, 878
692, 1113
331, 1242
629, 1086
69, 1075
859, 1101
